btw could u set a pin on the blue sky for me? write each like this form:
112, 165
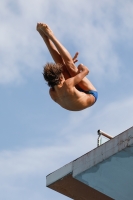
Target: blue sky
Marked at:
37, 135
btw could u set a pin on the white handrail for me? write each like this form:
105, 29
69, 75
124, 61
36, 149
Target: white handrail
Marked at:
100, 132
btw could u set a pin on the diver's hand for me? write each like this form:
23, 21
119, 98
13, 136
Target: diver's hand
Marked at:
75, 57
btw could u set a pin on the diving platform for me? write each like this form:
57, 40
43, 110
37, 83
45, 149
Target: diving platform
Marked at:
104, 173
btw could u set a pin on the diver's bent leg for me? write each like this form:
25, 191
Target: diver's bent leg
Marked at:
54, 53
61, 49
67, 58
85, 84
51, 47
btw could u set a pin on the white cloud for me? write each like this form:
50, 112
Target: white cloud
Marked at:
90, 27
39, 160
19, 167
33, 161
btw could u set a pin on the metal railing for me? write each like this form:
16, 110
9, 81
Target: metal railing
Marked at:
103, 137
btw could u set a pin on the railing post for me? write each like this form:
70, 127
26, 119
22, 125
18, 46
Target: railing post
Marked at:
100, 133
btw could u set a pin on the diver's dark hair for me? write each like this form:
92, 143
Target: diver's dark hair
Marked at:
52, 73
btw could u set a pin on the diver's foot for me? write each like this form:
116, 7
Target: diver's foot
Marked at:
38, 28
45, 28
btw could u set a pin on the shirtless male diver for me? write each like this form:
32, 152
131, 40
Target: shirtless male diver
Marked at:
69, 86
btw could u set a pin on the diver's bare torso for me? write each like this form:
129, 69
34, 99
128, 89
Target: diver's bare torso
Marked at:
70, 98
